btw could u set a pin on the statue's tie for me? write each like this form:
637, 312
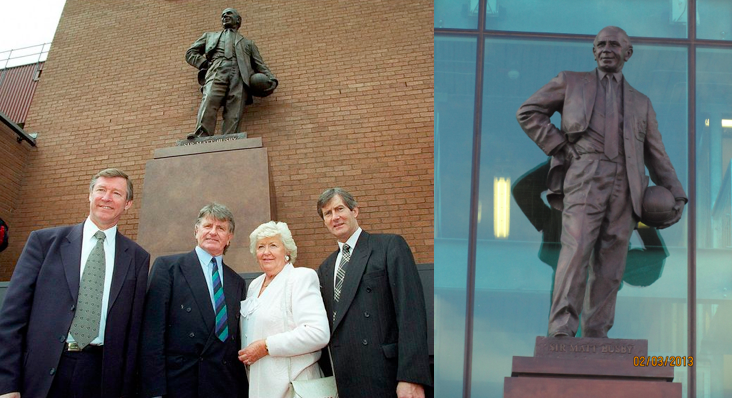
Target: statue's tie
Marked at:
85, 326
222, 326
340, 275
228, 44
611, 119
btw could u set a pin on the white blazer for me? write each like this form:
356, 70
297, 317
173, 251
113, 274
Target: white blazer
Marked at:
293, 294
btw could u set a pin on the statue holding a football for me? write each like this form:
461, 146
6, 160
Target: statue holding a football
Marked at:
607, 137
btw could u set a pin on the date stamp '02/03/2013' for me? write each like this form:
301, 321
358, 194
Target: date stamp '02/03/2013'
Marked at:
663, 361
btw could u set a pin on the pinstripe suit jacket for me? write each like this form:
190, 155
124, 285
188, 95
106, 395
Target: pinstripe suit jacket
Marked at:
379, 336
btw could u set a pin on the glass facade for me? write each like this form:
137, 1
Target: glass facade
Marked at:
496, 244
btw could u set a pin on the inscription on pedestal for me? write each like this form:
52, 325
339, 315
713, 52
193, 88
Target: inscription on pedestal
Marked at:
566, 347
211, 139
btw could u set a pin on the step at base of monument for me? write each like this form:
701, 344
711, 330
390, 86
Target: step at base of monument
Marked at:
565, 387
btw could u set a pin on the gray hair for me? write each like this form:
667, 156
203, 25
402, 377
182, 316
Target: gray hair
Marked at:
271, 229
218, 212
330, 193
112, 173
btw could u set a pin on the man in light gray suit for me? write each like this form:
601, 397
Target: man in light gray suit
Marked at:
597, 178
228, 60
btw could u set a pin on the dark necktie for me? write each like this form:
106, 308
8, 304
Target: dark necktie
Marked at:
611, 119
222, 327
85, 326
340, 275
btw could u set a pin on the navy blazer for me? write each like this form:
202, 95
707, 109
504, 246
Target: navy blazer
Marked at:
39, 307
379, 335
181, 354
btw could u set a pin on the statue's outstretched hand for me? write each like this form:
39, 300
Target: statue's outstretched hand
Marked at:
679, 208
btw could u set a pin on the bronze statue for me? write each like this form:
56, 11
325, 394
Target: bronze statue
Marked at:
597, 179
226, 61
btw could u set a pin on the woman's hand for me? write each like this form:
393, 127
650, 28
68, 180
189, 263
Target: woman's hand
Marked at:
254, 352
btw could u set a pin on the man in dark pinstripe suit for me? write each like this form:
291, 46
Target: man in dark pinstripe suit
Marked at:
373, 295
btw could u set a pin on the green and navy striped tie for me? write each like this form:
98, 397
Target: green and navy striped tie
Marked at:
222, 327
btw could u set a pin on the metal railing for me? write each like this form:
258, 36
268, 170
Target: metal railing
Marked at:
23, 56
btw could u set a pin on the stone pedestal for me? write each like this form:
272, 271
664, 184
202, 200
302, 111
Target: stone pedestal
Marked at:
180, 180
588, 367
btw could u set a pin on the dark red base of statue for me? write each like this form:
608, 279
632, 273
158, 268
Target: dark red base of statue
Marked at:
587, 367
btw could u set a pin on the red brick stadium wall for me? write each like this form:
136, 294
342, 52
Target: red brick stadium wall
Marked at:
354, 109
13, 162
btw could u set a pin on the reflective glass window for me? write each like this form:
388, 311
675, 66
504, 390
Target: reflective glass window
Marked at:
714, 221
517, 247
456, 14
455, 62
714, 19
647, 18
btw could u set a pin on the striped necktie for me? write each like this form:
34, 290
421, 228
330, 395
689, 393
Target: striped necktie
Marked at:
222, 327
85, 326
340, 275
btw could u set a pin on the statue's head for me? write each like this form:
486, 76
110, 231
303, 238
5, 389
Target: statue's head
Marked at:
231, 19
612, 49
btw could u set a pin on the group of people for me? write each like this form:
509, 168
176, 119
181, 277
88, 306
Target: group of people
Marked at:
84, 316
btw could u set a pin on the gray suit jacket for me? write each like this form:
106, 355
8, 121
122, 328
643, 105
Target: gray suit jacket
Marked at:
379, 336
573, 95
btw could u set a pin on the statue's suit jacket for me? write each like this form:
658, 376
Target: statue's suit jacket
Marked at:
379, 335
39, 307
573, 95
181, 354
247, 56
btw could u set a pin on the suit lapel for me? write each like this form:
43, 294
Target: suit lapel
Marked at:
71, 258
233, 300
628, 96
354, 272
328, 287
589, 91
122, 261
191, 270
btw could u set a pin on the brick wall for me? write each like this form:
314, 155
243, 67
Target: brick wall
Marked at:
13, 161
353, 109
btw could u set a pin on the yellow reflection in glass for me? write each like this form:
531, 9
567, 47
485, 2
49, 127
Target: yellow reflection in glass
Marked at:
501, 206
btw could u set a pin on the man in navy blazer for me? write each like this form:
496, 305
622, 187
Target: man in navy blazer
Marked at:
378, 319
190, 335
39, 356
227, 73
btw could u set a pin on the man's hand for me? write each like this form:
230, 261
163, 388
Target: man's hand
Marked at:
679, 208
253, 353
11, 395
409, 390
570, 151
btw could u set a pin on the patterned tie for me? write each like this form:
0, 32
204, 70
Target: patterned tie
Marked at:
85, 326
345, 257
611, 119
222, 327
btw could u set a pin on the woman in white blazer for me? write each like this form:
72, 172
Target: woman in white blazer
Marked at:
284, 324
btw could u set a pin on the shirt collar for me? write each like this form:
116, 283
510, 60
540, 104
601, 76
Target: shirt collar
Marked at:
205, 258
601, 75
90, 229
351, 241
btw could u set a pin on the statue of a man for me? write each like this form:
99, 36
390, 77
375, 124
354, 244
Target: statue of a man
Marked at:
228, 60
597, 178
